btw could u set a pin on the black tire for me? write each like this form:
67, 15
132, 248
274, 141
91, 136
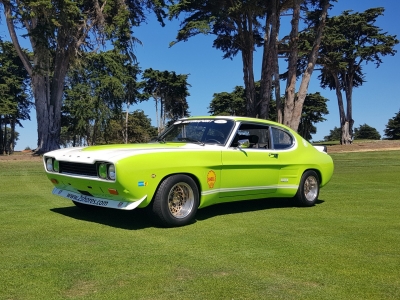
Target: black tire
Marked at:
307, 194
176, 201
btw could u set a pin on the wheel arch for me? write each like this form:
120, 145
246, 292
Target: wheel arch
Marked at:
191, 175
318, 172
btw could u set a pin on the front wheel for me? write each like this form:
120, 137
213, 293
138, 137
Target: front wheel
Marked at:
307, 194
176, 201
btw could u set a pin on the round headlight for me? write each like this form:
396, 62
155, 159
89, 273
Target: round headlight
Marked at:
103, 171
111, 172
49, 164
56, 166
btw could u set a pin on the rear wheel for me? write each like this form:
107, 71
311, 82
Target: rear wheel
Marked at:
307, 194
176, 200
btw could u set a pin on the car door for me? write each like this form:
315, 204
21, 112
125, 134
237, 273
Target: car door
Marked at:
251, 171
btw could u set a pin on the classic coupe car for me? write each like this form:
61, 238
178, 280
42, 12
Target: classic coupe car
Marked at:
196, 162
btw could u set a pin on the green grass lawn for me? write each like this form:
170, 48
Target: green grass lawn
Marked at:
345, 247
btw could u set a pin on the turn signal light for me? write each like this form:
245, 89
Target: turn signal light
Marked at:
55, 181
113, 191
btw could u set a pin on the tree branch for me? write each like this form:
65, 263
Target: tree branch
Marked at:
10, 25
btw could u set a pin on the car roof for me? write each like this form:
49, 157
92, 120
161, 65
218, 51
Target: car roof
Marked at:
239, 119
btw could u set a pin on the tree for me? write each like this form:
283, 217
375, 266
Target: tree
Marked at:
234, 103
169, 91
58, 31
350, 40
139, 128
94, 95
294, 104
334, 135
366, 132
392, 131
229, 104
14, 96
238, 28
313, 110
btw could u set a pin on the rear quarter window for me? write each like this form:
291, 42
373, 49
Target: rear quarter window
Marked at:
281, 139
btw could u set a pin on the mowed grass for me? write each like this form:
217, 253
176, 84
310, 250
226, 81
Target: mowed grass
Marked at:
345, 247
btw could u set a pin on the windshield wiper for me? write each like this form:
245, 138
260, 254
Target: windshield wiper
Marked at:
190, 140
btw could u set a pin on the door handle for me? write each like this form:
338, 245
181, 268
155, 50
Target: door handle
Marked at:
274, 155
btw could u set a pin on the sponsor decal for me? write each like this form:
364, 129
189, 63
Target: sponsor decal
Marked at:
142, 183
120, 204
86, 199
211, 178
284, 180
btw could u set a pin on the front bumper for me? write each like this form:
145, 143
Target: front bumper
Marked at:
95, 201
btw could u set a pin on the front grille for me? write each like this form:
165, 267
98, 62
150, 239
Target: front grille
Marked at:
78, 169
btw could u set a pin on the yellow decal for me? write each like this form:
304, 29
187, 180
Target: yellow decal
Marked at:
211, 178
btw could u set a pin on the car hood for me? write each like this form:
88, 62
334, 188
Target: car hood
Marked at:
113, 153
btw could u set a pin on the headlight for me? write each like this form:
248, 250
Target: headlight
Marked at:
52, 165
106, 171
103, 171
49, 164
56, 166
111, 172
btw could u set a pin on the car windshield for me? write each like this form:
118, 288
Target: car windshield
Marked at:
202, 131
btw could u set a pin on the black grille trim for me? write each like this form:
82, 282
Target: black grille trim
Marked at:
78, 169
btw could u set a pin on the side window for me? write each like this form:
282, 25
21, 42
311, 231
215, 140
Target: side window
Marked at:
281, 139
258, 135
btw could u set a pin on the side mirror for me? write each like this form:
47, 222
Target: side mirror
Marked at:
243, 143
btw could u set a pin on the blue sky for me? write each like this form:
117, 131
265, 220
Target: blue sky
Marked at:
374, 103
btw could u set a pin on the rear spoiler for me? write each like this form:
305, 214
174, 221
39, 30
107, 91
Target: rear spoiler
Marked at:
321, 148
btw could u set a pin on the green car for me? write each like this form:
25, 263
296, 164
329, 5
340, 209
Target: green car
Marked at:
196, 162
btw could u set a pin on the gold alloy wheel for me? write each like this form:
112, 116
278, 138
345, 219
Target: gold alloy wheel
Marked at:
180, 200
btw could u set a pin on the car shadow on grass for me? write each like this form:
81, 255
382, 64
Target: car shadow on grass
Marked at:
140, 219
246, 206
129, 220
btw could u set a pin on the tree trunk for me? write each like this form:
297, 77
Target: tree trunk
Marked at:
290, 92
346, 137
47, 86
157, 116
126, 124
162, 114
248, 79
1, 136
312, 59
293, 120
268, 64
277, 84
5, 140
349, 101
344, 124
12, 135
245, 33
4, 137
48, 116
